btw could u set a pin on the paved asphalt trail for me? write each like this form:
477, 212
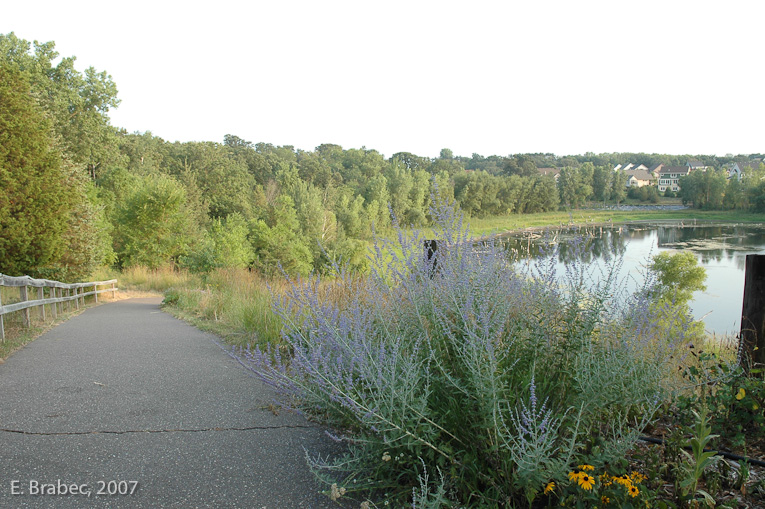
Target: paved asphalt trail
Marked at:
125, 392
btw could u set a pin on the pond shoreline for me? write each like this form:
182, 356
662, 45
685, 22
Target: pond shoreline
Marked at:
684, 221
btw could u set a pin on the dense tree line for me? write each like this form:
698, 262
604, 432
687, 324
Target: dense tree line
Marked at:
712, 189
77, 193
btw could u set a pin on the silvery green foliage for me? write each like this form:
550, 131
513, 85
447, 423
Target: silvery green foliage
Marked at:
502, 380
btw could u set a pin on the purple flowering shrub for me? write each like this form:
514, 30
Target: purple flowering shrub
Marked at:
464, 376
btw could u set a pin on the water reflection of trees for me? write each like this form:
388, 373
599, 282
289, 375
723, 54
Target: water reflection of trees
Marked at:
581, 244
710, 242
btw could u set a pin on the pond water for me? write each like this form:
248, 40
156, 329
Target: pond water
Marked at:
720, 248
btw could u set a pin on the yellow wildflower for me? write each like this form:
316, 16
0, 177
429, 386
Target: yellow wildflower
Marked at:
637, 477
550, 486
633, 491
605, 500
586, 468
741, 394
586, 481
624, 480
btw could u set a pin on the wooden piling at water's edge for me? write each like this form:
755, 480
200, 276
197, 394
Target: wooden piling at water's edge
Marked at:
751, 350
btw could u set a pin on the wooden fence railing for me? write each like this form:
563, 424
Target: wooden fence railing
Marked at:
59, 294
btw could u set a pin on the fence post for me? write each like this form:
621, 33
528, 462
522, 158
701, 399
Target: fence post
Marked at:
431, 257
95, 293
24, 297
54, 306
2, 327
68, 302
751, 350
41, 296
82, 296
76, 298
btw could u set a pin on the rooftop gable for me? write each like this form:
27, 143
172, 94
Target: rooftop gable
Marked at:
683, 170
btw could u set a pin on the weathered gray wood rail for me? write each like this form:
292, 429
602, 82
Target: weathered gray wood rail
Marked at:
59, 294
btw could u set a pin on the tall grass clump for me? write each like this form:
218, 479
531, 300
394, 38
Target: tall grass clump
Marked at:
153, 280
234, 303
461, 380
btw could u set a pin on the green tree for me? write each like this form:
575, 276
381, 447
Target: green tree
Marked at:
735, 197
705, 189
78, 104
542, 195
225, 244
223, 180
618, 186
35, 198
520, 165
575, 186
277, 241
153, 224
602, 183
446, 154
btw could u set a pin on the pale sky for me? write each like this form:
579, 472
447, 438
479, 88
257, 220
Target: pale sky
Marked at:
490, 77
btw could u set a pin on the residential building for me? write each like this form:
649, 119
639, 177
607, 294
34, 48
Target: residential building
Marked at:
638, 178
555, 172
654, 170
630, 167
739, 169
669, 177
696, 165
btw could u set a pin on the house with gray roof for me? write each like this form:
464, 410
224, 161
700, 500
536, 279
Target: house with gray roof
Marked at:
669, 177
638, 178
738, 169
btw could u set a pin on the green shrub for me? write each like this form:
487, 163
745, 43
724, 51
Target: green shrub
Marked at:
467, 380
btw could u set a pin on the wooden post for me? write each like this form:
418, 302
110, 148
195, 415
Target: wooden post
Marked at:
24, 298
2, 327
76, 298
82, 297
69, 302
41, 296
54, 306
751, 351
95, 293
431, 257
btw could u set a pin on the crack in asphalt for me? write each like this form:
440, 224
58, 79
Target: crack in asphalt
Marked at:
126, 432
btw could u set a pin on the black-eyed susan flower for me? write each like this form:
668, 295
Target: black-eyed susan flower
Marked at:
586, 468
741, 394
633, 491
549, 488
637, 477
574, 476
605, 500
624, 480
586, 481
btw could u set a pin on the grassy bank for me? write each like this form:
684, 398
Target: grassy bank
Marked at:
481, 227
